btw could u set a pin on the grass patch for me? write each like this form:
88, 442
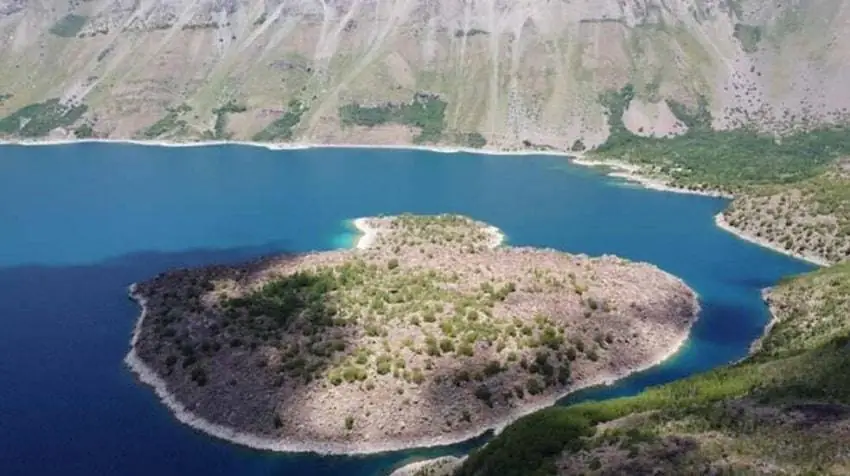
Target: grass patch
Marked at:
426, 112
529, 446
284, 127
37, 120
69, 25
84, 131
472, 140
169, 123
696, 120
468, 33
749, 36
219, 131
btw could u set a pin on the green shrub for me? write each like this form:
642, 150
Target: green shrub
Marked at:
169, 123
446, 345
461, 377
465, 349
533, 386
748, 35
384, 365
493, 367
69, 25
529, 446
473, 140
564, 374
199, 376
221, 116
84, 131
352, 374
483, 393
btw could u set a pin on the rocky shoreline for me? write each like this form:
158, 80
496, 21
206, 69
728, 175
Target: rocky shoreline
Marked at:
665, 346
632, 173
442, 466
149, 377
720, 221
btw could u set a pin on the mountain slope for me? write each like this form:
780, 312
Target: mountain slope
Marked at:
514, 72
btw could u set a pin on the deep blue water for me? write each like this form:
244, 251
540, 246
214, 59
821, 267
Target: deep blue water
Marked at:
79, 223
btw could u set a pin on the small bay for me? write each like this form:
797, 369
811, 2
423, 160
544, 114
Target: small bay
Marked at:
79, 223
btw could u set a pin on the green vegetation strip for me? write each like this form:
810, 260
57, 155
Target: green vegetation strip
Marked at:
219, 131
169, 123
803, 359
284, 127
749, 36
426, 112
723, 160
37, 120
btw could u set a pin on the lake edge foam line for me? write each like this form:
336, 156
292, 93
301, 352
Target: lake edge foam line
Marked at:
148, 376
289, 146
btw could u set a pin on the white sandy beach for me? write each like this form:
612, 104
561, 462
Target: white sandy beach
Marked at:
368, 234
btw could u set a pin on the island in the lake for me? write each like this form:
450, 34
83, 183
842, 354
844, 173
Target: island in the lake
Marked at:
428, 332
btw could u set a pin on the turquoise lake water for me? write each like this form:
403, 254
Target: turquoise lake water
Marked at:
79, 223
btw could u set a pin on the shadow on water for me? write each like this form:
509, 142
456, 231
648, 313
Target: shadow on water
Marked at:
67, 329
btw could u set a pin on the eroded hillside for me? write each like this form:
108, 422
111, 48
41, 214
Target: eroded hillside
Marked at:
475, 72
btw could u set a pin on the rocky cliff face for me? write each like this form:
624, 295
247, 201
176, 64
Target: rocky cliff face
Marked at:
513, 71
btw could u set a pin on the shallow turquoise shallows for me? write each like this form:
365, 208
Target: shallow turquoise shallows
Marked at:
79, 223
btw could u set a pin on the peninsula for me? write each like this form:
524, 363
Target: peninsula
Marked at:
784, 409
428, 332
